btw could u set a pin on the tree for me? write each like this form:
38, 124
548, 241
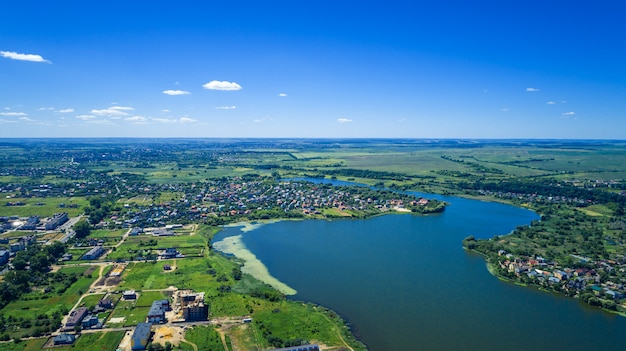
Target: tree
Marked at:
237, 273
82, 228
20, 263
40, 263
56, 250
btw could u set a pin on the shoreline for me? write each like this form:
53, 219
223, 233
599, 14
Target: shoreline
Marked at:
234, 245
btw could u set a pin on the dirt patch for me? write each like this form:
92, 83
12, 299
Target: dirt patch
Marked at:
90, 270
113, 281
117, 320
173, 335
125, 344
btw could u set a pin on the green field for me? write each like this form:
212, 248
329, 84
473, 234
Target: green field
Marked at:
109, 235
188, 273
41, 307
130, 312
188, 245
42, 207
48, 304
104, 341
205, 338
25, 345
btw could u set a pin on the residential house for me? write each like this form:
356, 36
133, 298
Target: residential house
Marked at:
140, 337
17, 246
157, 311
31, 223
76, 317
4, 257
94, 253
90, 321
170, 252
66, 257
106, 303
64, 339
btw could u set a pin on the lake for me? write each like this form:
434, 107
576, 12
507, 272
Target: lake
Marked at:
404, 282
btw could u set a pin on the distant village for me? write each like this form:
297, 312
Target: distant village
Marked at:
213, 202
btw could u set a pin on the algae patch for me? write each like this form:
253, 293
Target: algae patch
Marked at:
253, 266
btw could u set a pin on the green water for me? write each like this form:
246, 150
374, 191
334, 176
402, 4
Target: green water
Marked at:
403, 282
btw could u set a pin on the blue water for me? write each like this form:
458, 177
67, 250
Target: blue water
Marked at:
403, 282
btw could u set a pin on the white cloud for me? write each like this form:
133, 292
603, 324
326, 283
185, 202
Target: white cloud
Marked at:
165, 111
226, 107
187, 120
571, 113
6, 121
532, 90
266, 118
26, 119
344, 120
217, 85
45, 109
136, 119
175, 92
67, 110
282, 94
551, 103
13, 114
103, 122
164, 120
121, 108
23, 57
86, 117
504, 110
109, 112
113, 111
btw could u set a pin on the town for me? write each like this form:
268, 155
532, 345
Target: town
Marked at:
120, 222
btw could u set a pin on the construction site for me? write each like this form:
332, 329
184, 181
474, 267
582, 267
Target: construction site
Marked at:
189, 306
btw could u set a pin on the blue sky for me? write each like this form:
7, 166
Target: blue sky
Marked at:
407, 69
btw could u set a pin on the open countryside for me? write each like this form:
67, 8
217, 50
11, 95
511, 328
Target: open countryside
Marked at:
133, 263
